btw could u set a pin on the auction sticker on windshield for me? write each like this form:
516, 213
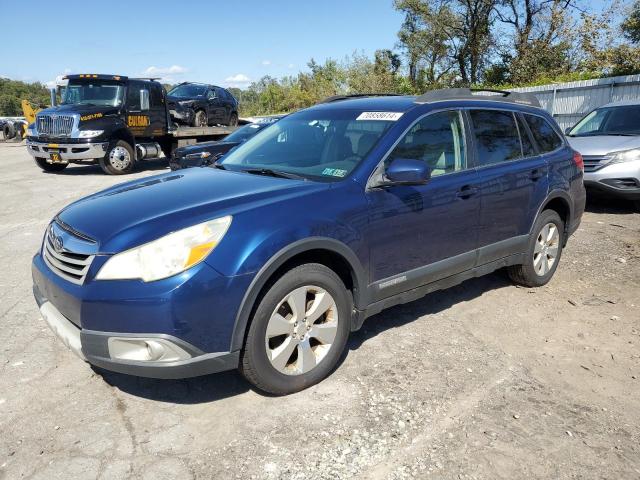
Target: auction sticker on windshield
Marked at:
385, 116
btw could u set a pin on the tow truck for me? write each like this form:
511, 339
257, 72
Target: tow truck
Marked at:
112, 120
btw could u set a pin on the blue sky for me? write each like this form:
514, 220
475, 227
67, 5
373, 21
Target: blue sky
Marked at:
218, 42
222, 42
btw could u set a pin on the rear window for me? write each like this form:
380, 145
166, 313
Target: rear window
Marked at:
496, 136
544, 134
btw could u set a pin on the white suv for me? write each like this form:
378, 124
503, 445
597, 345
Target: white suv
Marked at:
609, 140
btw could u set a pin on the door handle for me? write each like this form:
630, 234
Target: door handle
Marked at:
537, 173
466, 191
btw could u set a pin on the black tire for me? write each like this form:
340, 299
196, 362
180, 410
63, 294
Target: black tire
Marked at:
8, 131
114, 164
50, 167
526, 274
200, 119
254, 363
233, 120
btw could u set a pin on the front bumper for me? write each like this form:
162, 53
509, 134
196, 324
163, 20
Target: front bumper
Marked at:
194, 311
69, 152
621, 180
182, 114
93, 347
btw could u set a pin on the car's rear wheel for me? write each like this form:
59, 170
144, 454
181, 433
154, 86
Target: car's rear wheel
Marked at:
119, 159
298, 331
543, 252
200, 119
50, 167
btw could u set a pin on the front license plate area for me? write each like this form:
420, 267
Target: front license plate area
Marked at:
54, 156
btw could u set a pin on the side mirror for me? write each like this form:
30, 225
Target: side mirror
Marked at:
405, 171
144, 99
567, 130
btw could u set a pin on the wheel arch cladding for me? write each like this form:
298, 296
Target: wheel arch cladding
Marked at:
561, 206
328, 252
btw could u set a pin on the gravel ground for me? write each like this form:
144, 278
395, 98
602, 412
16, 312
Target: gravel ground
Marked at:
482, 381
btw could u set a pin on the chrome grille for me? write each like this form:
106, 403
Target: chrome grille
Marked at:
55, 125
594, 162
69, 265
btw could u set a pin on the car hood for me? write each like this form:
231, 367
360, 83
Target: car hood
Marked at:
79, 109
137, 212
603, 144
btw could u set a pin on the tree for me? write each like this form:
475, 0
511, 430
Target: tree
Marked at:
631, 26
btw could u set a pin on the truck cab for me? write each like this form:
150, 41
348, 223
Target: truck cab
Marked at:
112, 120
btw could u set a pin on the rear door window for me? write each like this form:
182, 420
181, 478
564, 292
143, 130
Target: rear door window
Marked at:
497, 136
528, 150
544, 134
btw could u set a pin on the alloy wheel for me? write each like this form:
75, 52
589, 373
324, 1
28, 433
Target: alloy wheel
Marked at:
301, 330
545, 252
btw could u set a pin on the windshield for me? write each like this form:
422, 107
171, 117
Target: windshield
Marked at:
609, 121
324, 145
244, 133
102, 93
186, 91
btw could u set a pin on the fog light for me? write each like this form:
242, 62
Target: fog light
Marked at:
145, 350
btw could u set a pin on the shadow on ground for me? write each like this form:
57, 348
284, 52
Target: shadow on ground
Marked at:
143, 166
600, 203
211, 388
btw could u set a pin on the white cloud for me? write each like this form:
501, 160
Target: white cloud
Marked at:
58, 80
154, 71
291, 65
266, 62
239, 80
172, 74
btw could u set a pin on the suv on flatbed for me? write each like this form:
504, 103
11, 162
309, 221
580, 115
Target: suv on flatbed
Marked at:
201, 105
326, 217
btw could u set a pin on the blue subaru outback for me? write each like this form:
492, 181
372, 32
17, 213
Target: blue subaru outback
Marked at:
267, 260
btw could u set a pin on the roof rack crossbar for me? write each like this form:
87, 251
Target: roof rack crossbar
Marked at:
337, 98
468, 93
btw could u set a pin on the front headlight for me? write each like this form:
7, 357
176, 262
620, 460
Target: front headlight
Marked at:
168, 255
90, 133
624, 156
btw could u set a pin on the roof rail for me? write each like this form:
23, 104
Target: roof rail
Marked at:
337, 98
468, 93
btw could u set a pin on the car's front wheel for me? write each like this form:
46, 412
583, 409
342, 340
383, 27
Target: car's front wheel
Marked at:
200, 119
119, 159
543, 252
298, 331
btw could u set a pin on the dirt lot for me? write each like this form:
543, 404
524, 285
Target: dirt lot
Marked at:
485, 380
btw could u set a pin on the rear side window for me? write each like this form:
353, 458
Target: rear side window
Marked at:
544, 134
496, 136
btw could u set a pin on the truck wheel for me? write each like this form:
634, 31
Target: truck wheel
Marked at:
119, 159
200, 119
233, 120
298, 332
543, 253
8, 131
50, 167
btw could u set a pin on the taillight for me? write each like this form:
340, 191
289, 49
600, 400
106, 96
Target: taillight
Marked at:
577, 158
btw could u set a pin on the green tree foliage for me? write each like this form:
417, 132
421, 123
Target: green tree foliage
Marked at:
631, 26
12, 92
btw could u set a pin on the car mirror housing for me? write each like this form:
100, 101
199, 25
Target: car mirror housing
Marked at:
405, 171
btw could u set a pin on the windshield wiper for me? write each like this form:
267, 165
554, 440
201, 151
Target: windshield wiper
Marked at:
273, 173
